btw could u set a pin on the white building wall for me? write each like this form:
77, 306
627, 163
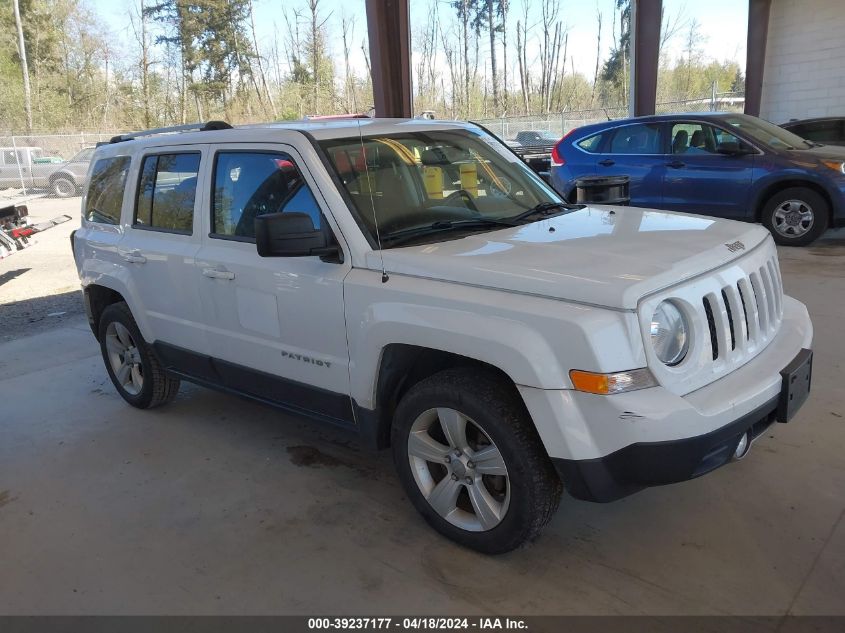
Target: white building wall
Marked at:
805, 60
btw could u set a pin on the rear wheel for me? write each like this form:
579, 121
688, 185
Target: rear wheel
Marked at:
796, 216
131, 364
63, 187
471, 461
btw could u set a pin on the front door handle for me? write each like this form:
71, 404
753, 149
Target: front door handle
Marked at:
216, 273
133, 257
607, 162
676, 164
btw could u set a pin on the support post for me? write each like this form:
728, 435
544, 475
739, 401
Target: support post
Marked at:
755, 60
390, 57
646, 18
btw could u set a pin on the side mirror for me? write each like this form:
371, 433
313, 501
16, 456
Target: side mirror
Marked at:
732, 148
290, 235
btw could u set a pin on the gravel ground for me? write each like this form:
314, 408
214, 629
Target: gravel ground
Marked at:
39, 287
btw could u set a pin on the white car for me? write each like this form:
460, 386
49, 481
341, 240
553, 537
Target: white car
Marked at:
414, 281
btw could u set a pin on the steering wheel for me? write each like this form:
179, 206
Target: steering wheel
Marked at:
466, 195
503, 191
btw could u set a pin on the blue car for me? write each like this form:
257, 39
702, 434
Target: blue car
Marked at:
727, 165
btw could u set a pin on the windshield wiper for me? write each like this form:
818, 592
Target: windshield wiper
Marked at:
441, 226
544, 209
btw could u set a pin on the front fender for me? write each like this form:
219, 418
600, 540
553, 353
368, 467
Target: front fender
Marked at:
534, 340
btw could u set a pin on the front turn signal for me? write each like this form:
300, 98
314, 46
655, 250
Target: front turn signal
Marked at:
607, 384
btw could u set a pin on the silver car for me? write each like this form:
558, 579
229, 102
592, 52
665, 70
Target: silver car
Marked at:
69, 179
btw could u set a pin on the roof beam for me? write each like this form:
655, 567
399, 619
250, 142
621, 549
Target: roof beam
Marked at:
755, 60
390, 57
646, 17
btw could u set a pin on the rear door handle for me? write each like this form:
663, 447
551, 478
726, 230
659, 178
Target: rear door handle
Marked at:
216, 273
676, 164
607, 162
134, 257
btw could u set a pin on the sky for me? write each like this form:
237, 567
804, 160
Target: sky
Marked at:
722, 25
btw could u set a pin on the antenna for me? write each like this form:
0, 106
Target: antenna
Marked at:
384, 275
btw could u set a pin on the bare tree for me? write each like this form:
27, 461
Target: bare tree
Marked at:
27, 94
261, 73
490, 10
522, 30
348, 32
504, 6
142, 37
598, 59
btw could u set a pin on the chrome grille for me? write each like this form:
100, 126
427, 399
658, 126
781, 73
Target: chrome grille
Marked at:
745, 314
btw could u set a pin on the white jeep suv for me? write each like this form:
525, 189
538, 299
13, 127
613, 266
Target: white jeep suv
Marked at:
414, 281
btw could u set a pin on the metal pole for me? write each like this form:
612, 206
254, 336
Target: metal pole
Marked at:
18, 160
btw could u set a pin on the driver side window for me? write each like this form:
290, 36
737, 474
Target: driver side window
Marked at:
249, 184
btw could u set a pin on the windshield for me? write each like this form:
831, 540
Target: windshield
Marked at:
768, 133
413, 180
84, 156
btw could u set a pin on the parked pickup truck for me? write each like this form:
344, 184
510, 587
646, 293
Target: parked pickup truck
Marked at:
27, 167
415, 282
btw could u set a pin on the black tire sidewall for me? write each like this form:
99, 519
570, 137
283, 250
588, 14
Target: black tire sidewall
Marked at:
71, 186
821, 215
495, 418
119, 313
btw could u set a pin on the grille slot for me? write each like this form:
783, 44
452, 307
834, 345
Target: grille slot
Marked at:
744, 309
730, 318
711, 324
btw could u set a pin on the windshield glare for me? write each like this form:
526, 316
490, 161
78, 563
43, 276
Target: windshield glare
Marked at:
768, 133
414, 179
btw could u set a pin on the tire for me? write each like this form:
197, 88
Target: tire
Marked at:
518, 504
796, 216
146, 385
63, 187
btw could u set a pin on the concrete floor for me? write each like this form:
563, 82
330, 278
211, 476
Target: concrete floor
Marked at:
218, 505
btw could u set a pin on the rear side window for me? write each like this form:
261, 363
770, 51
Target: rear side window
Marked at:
167, 191
105, 190
591, 143
643, 138
819, 131
249, 184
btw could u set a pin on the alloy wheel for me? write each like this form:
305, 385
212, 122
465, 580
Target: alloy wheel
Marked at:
459, 469
124, 358
793, 218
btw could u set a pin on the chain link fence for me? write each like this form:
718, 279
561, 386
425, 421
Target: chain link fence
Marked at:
561, 123
45, 164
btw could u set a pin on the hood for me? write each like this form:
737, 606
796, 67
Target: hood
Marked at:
828, 152
607, 256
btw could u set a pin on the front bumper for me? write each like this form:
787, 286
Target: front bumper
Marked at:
639, 466
606, 447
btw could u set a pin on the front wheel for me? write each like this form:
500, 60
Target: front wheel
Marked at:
796, 216
471, 462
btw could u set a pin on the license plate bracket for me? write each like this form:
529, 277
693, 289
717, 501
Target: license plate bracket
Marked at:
795, 385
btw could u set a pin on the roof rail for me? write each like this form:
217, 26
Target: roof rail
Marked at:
187, 127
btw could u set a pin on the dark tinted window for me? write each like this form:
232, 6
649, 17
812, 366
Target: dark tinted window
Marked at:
105, 190
167, 192
247, 185
643, 138
591, 143
699, 138
819, 131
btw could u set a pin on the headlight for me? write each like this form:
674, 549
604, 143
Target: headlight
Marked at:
836, 165
669, 334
